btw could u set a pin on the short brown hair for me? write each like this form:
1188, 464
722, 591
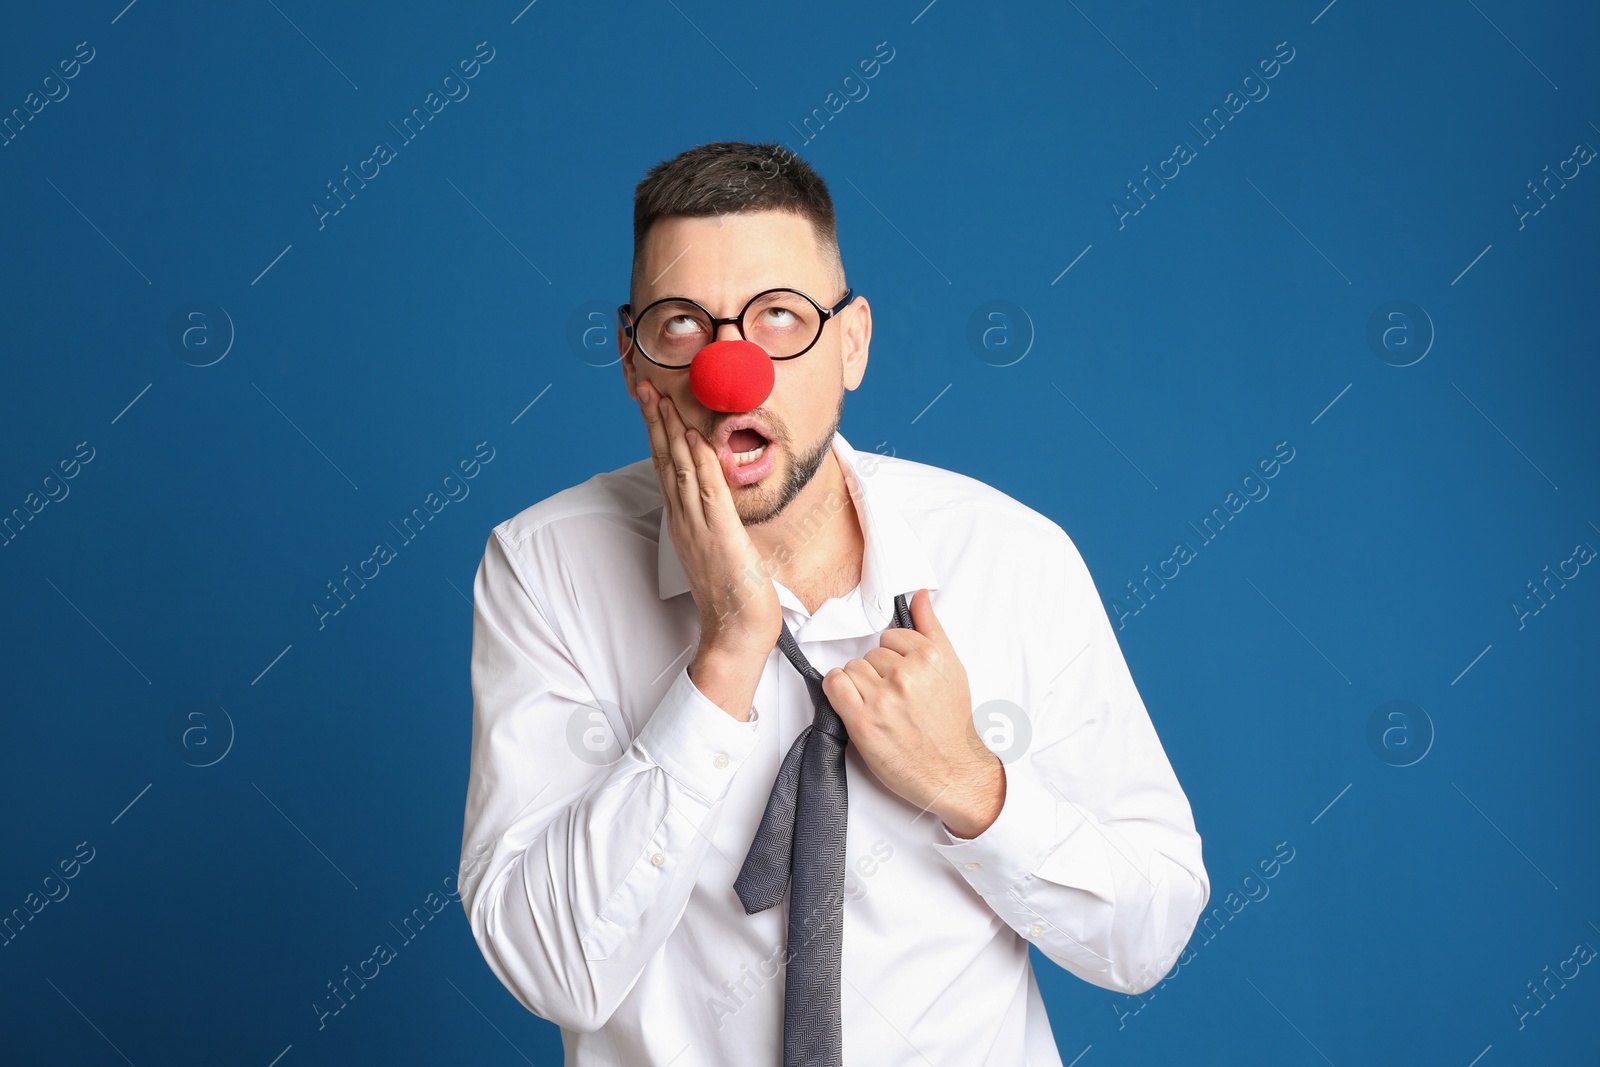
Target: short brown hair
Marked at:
734, 177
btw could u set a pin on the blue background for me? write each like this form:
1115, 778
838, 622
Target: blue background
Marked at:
265, 798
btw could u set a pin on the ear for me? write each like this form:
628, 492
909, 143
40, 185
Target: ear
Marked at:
630, 373
855, 331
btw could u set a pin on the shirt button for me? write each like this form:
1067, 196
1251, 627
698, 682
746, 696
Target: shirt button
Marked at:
658, 859
972, 866
720, 760
1035, 930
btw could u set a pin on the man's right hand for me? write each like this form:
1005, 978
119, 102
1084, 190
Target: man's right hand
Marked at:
740, 617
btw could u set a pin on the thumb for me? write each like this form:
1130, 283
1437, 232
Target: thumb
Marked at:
923, 618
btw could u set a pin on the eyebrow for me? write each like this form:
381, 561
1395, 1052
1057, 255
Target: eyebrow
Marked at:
742, 303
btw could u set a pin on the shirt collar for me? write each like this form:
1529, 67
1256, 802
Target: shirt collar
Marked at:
894, 561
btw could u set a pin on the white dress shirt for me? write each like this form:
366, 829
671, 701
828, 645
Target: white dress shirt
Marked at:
611, 803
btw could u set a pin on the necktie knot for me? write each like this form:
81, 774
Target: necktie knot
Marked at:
825, 720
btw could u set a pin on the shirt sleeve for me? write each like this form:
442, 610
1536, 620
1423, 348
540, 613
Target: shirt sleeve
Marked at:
1094, 857
574, 870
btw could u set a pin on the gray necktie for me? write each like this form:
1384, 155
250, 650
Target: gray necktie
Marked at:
802, 837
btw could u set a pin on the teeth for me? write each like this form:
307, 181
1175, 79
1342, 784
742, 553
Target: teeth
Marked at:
751, 456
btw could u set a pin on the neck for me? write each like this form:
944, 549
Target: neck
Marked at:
815, 547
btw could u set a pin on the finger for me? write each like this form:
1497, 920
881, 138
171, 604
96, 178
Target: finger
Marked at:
648, 398
901, 640
884, 660
842, 692
862, 686
913, 645
660, 450
716, 499
864, 676
922, 616
683, 473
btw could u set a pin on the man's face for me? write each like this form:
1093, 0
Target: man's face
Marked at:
721, 262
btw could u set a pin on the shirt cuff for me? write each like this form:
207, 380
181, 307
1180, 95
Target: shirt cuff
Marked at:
696, 742
1020, 837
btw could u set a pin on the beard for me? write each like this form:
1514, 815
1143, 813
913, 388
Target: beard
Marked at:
758, 504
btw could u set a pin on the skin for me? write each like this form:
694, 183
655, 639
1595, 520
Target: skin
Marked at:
906, 704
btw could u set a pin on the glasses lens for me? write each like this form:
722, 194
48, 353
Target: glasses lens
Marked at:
672, 332
783, 322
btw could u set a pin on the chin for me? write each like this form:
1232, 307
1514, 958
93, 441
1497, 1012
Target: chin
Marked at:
755, 504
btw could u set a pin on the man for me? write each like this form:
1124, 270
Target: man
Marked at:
625, 794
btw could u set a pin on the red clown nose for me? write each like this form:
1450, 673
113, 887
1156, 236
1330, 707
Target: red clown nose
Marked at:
731, 375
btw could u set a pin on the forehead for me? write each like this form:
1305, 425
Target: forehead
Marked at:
721, 260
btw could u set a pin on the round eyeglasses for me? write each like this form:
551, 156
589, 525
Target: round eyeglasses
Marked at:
784, 322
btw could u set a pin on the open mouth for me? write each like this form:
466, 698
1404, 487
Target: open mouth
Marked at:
747, 445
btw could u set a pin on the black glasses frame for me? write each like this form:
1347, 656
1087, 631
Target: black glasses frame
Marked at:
736, 321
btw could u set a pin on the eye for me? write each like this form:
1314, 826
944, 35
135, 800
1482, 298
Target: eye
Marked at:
679, 325
779, 317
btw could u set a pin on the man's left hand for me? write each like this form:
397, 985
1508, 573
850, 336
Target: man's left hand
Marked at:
908, 709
